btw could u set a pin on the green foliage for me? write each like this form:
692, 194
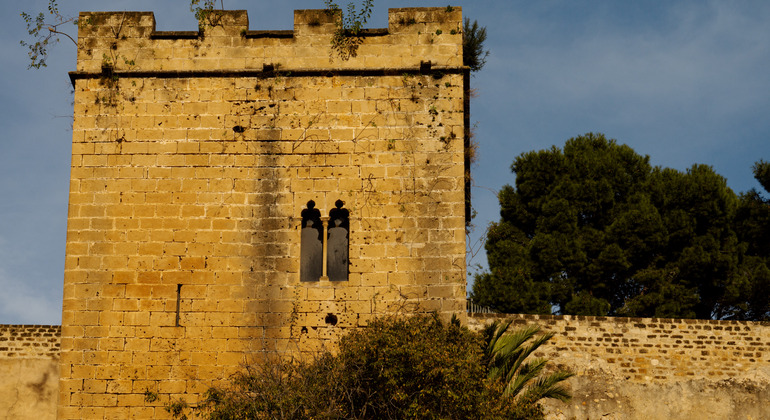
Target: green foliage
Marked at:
593, 229
278, 389
753, 227
150, 396
474, 54
507, 356
45, 30
177, 409
762, 174
204, 12
399, 367
753, 218
350, 22
414, 367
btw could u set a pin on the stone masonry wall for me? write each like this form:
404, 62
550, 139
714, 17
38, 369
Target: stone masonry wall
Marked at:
193, 157
29, 371
650, 368
627, 368
29, 341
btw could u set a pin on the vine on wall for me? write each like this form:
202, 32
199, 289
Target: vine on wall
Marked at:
350, 23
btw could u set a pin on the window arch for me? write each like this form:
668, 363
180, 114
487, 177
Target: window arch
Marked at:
311, 244
324, 244
338, 240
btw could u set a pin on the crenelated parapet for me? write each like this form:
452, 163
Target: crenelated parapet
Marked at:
128, 41
236, 193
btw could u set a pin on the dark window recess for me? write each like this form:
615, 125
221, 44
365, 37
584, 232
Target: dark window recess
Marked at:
338, 237
178, 303
311, 246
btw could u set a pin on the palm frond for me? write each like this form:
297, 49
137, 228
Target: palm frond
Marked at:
508, 360
517, 381
550, 387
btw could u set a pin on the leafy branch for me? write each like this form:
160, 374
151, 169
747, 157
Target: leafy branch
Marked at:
46, 28
347, 37
45, 31
474, 54
204, 11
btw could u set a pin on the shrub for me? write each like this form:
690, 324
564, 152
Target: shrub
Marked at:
415, 367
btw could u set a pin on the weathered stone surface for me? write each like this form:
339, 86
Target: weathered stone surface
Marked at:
651, 368
29, 371
605, 397
28, 388
684, 374
193, 158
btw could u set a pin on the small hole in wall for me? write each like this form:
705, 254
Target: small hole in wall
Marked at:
331, 319
239, 129
303, 330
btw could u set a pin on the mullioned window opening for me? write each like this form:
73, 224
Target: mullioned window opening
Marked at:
324, 244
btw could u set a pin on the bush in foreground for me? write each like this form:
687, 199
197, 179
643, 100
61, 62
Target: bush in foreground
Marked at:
398, 367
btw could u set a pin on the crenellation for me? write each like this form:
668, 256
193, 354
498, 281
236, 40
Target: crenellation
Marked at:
119, 41
193, 155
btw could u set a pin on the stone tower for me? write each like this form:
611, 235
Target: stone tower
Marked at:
236, 191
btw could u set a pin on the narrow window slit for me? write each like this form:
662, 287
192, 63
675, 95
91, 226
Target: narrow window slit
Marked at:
338, 239
311, 246
178, 302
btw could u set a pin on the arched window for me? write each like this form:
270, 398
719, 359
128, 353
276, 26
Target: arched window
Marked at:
338, 239
311, 245
324, 244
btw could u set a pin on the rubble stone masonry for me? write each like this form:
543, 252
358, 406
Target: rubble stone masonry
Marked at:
626, 368
29, 341
195, 159
29, 371
194, 155
650, 368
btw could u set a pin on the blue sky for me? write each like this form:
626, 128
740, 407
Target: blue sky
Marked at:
684, 82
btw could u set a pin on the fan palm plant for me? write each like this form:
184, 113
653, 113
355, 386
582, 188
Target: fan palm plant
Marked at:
506, 355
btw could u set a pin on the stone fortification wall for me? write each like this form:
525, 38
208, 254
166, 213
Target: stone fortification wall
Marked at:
627, 368
29, 371
649, 368
30, 341
195, 156
128, 41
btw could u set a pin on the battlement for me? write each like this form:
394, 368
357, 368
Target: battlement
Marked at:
128, 41
236, 192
